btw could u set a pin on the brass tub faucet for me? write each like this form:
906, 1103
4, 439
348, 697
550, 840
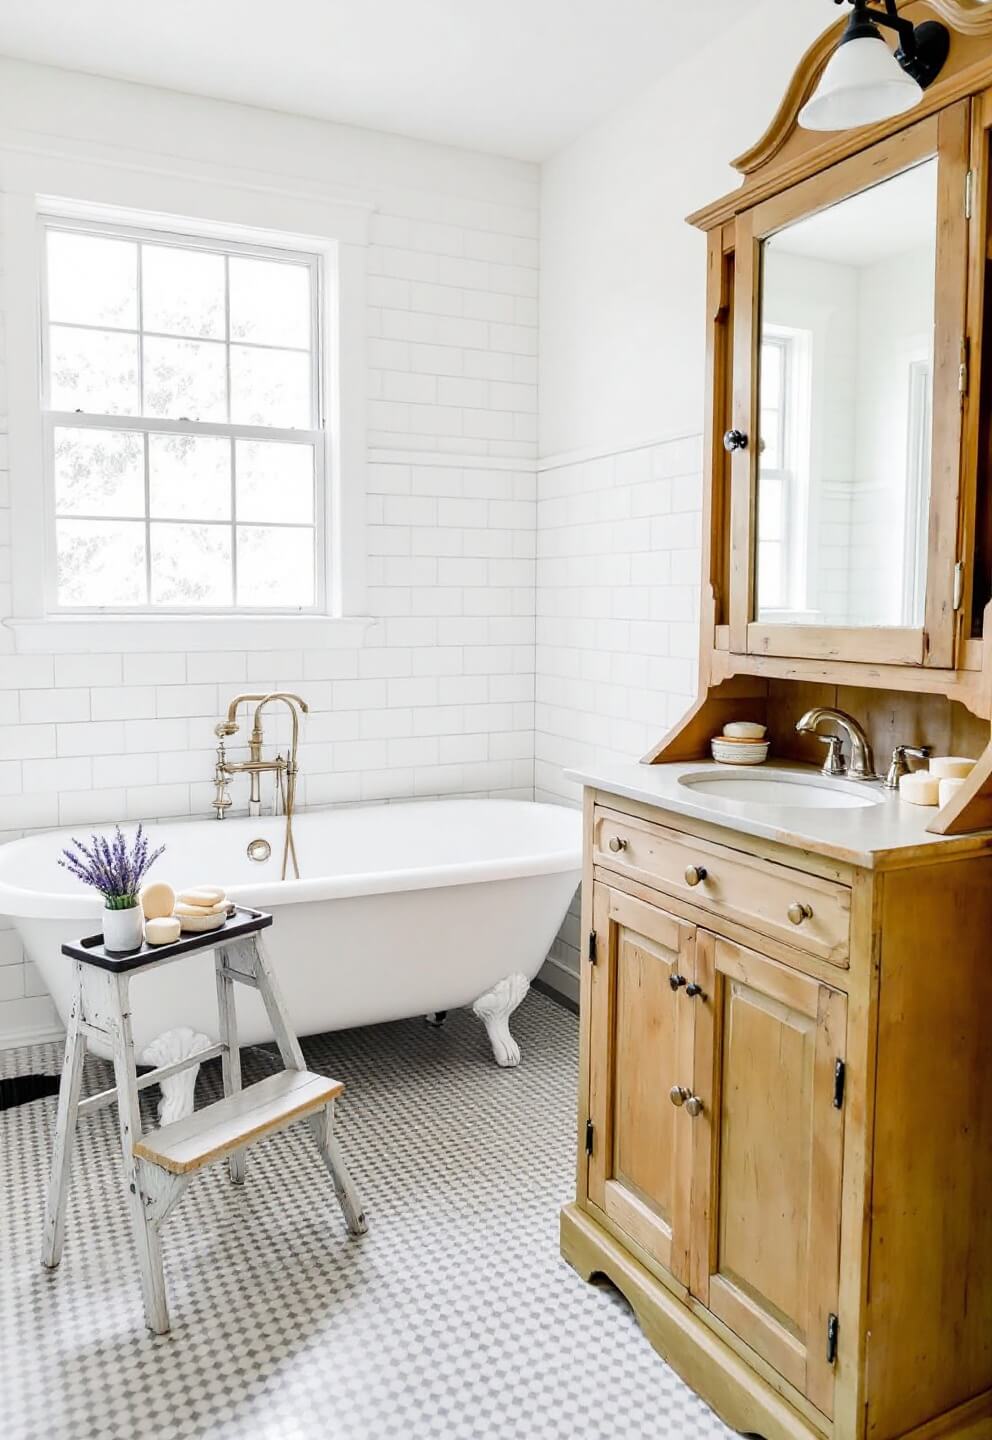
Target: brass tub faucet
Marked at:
285, 768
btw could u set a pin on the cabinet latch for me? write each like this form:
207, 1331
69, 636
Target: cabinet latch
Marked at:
839, 1073
969, 194
589, 1135
964, 368
958, 584
831, 1339
592, 947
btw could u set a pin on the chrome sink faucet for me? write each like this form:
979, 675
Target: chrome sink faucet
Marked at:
862, 763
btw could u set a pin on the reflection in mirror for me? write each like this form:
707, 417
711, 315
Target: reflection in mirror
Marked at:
846, 378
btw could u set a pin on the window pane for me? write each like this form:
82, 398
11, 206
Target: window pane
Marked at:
771, 372
770, 510
99, 472
275, 566
182, 291
91, 280
185, 380
191, 564
189, 477
100, 562
270, 302
275, 482
770, 574
95, 371
270, 387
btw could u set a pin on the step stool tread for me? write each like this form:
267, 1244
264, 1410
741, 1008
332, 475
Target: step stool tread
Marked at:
215, 1131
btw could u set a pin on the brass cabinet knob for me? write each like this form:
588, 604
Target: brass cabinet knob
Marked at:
695, 874
693, 1106
678, 1094
617, 843
798, 912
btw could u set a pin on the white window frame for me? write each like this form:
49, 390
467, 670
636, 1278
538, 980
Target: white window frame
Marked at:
150, 189
148, 425
795, 350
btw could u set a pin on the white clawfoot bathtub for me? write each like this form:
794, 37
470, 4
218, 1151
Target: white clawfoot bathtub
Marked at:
405, 909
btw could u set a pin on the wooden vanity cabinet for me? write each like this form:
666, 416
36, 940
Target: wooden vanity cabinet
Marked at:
785, 1162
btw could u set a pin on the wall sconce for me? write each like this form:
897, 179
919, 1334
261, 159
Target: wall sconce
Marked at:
865, 81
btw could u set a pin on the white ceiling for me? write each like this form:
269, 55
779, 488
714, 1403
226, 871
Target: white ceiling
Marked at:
515, 77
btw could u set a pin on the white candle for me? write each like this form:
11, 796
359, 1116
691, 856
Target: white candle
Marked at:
920, 788
947, 789
951, 767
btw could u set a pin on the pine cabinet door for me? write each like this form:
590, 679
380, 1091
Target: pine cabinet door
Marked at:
640, 1047
768, 1158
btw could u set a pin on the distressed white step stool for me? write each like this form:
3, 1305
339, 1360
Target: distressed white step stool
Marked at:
158, 1166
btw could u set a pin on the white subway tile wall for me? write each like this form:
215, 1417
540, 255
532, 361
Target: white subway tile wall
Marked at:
618, 565
436, 697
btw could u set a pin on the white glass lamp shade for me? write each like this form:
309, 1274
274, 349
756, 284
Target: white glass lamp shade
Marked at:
862, 84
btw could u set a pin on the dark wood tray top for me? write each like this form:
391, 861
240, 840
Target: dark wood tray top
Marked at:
91, 949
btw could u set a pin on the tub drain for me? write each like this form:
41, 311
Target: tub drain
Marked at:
259, 850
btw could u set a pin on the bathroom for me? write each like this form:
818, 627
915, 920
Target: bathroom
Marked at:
365, 522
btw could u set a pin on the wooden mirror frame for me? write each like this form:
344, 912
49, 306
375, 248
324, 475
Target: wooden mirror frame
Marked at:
944, 682
946, 138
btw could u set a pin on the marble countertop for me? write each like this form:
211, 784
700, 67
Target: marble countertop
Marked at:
863, 836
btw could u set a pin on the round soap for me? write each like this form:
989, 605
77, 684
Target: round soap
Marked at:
203, 896
920, 788
198, 924
157, 900
951, 767
744, 730
183, 909
162, 929
948, 787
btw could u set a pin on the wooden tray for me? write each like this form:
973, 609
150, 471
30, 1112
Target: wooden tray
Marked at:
91, 949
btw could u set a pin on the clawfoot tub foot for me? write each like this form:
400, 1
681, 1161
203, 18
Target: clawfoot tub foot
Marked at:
436, 1018
494, 1010
177, 1090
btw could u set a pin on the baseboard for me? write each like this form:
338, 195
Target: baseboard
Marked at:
555, 975
543, 988
41, 1035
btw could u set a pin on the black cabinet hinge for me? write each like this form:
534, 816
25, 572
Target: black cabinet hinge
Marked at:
589, 1135
831, 1339
839, 1073
592, 947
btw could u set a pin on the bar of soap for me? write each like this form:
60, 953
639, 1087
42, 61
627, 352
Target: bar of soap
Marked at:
198, 924
920, 788
184, 909
162, 929
947, 788
744, 730
202, 896
157, 900
951, 767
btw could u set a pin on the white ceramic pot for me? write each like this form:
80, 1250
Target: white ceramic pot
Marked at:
122, 929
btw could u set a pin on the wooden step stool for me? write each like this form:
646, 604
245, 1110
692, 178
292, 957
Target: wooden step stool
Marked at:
158, 1166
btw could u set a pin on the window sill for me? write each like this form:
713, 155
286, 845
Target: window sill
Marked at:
126, 634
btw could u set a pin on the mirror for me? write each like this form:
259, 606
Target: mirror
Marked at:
845, 390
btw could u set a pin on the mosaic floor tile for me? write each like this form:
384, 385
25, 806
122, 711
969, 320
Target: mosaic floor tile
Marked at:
454, 1318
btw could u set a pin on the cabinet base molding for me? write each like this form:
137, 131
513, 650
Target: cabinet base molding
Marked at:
741, 1398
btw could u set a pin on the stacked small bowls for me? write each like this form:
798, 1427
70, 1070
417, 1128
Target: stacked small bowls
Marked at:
743, 742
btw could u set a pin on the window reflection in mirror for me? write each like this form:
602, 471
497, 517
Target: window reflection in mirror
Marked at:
846, 369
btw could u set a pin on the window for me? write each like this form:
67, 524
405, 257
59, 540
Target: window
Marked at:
181, 398
784, 476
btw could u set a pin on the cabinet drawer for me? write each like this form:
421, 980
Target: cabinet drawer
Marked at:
802, 910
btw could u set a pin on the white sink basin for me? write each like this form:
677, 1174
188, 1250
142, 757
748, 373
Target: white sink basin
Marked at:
783, 789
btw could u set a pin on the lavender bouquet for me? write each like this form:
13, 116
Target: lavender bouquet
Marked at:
110, 867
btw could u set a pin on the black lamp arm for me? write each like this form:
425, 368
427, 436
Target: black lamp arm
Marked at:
922, 48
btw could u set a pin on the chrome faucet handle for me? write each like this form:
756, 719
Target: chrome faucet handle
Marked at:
898, 767
834, 764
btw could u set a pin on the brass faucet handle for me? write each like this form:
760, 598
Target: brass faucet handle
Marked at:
225, 728
834, 763
898, 767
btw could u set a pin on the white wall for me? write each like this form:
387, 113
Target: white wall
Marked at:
621, 383
436, 695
